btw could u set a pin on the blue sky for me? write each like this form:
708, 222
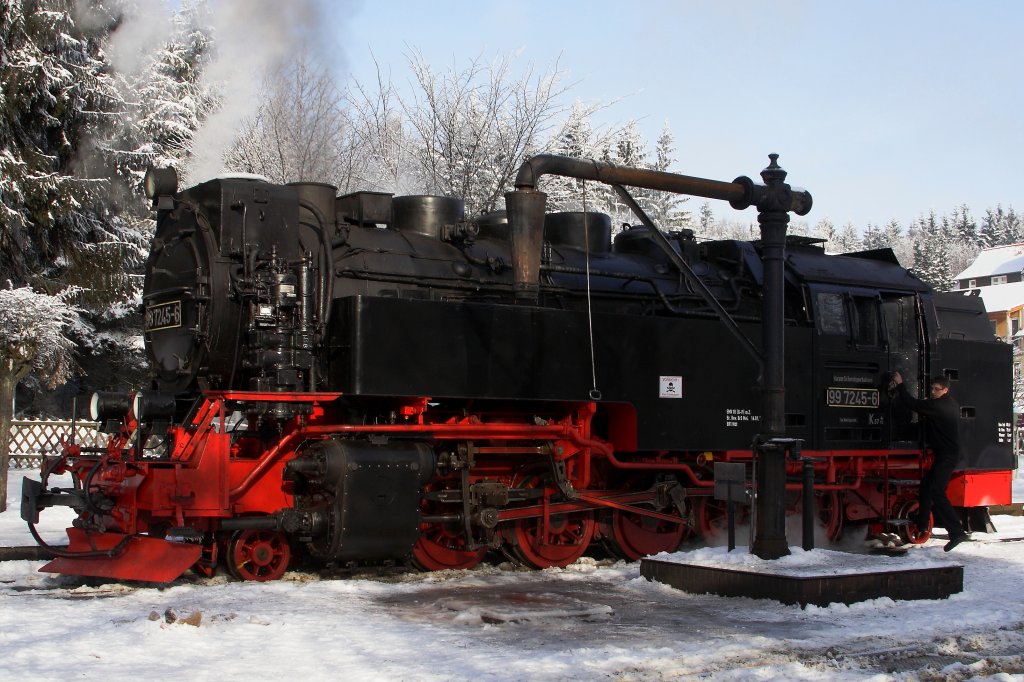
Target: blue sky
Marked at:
881, 109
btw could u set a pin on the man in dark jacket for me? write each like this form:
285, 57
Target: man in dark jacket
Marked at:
942, 434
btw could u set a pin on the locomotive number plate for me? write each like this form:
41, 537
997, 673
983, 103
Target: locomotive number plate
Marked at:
163, 316
852, 397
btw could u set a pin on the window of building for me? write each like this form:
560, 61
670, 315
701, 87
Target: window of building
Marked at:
998, 279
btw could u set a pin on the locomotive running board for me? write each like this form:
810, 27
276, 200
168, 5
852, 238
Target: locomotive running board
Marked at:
139, 557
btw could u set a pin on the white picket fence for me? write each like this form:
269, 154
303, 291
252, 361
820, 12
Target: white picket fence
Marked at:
32, 439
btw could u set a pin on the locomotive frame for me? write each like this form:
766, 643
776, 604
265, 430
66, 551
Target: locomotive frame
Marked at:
367, 378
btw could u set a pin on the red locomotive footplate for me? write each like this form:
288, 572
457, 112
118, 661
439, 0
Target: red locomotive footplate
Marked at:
140, 558
980, 489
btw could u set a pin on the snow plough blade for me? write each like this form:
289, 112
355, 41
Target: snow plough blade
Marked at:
136, 557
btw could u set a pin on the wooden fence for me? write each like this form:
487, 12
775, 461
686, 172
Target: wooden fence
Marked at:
32, 439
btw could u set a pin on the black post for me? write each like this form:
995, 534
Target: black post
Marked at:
773, 215
808, 504
732, 524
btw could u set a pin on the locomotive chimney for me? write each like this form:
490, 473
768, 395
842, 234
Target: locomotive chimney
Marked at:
526, 225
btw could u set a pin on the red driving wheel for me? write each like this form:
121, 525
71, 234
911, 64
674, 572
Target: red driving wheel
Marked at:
556, 541
910, 532
634, 536
560, 542
443, 545
259, 555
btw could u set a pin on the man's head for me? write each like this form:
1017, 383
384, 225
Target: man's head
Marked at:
939, 386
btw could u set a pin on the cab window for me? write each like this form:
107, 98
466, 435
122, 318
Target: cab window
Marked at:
865, 320
831, 314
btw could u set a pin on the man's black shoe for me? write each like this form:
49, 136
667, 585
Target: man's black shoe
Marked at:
954, 541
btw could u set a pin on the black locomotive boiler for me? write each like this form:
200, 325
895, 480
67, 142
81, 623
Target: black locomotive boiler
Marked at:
371, 378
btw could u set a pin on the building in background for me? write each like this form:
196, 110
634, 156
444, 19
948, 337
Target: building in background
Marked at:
996, 276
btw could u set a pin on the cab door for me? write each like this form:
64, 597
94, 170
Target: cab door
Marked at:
905, 346
852, 362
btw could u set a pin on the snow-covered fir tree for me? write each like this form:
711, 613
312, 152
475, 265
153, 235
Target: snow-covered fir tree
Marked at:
575, 140
627, 148
1000, 227
666, 207
931, 252
705, 219
847, 241
825, 229
172, 101
964, 227
57, 95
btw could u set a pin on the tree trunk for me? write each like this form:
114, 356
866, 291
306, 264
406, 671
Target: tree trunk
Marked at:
10, 374
7, 384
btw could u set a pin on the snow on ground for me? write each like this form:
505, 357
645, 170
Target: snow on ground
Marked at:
594, 620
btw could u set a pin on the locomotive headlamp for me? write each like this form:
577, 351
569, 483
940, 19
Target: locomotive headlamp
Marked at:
106, 406
159, 182
150, 405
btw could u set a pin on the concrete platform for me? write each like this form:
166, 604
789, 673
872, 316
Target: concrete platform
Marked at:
819, 577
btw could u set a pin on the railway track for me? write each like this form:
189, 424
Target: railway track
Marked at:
36, 553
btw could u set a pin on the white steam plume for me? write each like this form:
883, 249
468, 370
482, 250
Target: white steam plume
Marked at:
250, 37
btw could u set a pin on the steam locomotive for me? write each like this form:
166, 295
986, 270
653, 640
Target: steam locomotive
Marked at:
376, 378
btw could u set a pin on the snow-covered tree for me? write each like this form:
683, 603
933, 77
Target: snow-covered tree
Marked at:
168, 97
666, 207
963, 225
57, 95
301, 131
381, 158
931, 252
628, 148
825, 229
1000, 227
847, 241
471, 129
706, 218
575, 140
33, 338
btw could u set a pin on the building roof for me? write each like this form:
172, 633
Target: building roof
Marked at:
999, 260
1001, 297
